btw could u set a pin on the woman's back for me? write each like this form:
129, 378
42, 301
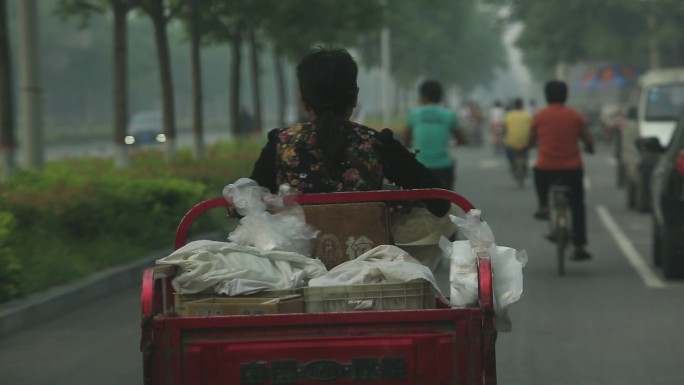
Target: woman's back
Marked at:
300, 163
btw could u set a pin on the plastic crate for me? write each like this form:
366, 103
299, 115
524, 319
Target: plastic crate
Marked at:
382, 296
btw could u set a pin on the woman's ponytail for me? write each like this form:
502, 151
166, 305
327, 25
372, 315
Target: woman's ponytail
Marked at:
332, 139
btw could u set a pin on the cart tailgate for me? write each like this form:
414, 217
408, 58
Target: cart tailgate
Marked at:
423, 351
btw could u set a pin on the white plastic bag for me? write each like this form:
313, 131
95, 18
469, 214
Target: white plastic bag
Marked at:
233, 269
463, 281
507, 264
268, 223
381, 264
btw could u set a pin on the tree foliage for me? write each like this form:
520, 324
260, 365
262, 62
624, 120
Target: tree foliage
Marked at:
456, 42
575, 31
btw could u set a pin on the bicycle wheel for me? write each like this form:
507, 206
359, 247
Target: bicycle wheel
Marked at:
561, 244
561, 231
518, 169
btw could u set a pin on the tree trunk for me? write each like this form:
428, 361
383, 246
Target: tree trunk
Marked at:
256, 73
7, 145
235, 59
653, 45
120, 80
164, 62
280, 86
30, 86
196, 69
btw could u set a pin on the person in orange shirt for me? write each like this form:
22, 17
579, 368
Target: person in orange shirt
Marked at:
556, 130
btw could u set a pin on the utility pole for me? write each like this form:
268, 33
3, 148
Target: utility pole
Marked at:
30, 91
7, 142
653, 51
385, 69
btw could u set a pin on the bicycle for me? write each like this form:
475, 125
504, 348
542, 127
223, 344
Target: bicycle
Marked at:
519, 167
559, 222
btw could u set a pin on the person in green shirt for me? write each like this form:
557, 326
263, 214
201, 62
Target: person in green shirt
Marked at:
429, 128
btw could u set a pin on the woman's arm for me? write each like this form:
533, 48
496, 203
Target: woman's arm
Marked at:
401, 167
264, 171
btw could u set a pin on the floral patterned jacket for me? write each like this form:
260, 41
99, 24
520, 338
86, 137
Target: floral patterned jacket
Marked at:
292, 156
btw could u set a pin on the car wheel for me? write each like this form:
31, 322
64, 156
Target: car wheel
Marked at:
631, 198
672, 256
657, 247
642, 196
620, 175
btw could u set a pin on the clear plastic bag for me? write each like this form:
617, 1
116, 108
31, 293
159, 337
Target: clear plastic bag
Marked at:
507, 265
268, 223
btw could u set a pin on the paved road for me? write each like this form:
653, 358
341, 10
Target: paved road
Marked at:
605, 322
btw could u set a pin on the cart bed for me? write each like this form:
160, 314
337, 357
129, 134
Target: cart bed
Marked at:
429, 346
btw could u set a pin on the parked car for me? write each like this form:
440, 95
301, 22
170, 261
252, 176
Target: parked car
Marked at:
668, 202
653, 110
145, 128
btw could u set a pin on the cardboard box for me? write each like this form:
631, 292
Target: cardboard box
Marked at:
217, 306
180, 300
347, 230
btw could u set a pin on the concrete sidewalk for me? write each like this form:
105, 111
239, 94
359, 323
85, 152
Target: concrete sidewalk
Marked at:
39, 307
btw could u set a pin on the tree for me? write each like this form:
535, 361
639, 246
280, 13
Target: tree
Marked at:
581, 31
161, 12
455, 42
84, 10
224, 23
120, 9
6, 113
293, 27
195, 33
254, 49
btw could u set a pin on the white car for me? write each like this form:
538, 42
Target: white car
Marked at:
654, 108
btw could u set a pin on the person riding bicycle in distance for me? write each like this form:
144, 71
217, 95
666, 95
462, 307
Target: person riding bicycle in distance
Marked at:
429, 128
556, 131
517, 126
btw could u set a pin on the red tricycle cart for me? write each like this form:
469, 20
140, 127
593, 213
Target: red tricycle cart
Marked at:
435, 346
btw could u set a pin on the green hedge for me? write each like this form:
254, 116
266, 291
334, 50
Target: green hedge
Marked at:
79, 216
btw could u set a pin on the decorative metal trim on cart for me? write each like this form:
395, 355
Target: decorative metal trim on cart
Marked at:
290, 371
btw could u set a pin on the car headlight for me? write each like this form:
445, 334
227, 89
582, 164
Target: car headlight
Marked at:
161, 138
129, 139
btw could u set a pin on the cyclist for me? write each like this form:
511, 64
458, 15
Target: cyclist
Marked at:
517, 127
428, 130
556, 131
496, 115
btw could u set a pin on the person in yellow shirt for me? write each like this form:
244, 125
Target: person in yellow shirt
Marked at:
517, 127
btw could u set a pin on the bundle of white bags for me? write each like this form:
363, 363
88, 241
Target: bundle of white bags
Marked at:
507, 265
270, 250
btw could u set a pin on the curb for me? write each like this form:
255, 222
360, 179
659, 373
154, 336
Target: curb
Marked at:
40, 307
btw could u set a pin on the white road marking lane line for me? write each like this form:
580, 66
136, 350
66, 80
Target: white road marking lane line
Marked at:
630, 252
587, 183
